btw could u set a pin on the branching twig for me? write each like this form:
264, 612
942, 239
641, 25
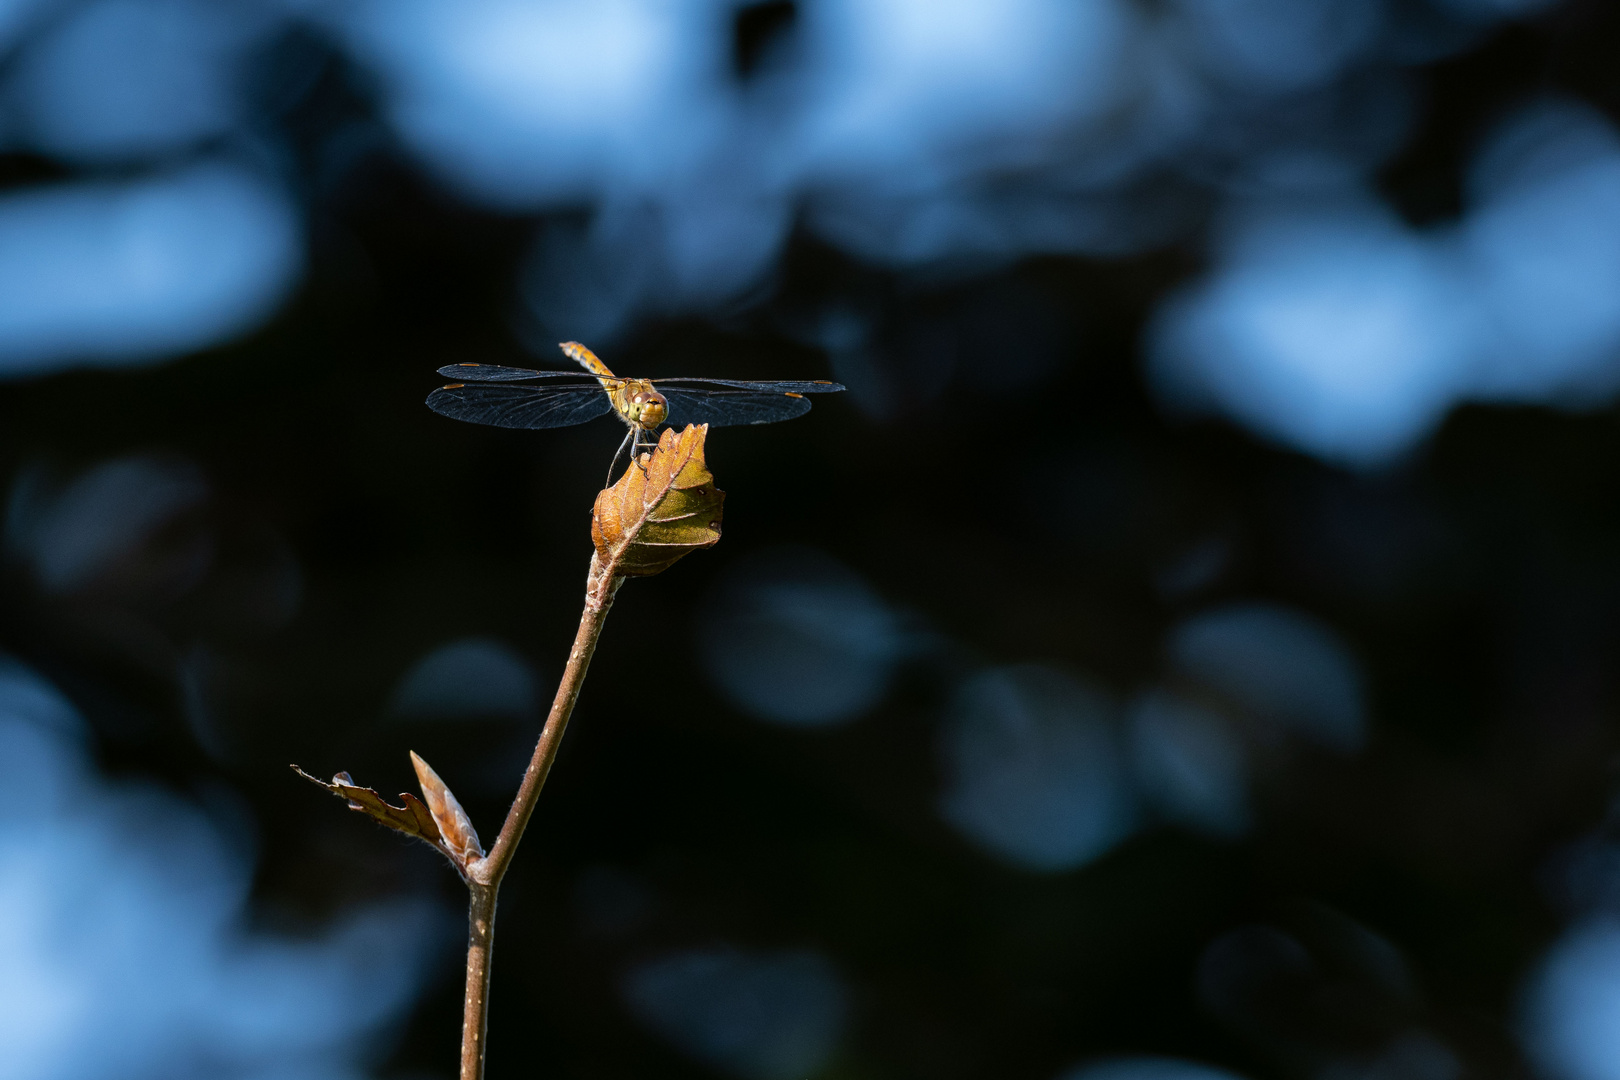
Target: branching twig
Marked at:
665, 506
484, 876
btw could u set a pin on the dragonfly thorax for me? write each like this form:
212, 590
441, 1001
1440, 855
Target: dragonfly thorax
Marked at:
640, 404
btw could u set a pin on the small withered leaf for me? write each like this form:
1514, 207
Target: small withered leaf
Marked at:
458, 838
663, 507
412, 819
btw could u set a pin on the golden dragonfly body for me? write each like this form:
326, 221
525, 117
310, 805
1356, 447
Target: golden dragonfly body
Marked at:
496, 395
637, 403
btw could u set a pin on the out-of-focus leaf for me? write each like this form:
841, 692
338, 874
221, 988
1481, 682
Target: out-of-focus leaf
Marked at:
412, 819
664, 506
459, 838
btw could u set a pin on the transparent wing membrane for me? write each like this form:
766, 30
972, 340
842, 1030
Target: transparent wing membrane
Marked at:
783, 386
521, 406
496, 373
727, 407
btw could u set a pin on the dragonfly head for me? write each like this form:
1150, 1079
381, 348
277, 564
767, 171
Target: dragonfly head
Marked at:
646, 408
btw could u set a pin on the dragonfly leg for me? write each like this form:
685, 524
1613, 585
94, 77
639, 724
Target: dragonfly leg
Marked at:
635, 452
628, 439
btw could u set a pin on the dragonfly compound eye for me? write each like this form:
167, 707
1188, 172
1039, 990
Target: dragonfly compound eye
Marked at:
649, 407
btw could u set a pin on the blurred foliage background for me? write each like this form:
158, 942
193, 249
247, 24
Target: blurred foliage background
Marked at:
1186, 651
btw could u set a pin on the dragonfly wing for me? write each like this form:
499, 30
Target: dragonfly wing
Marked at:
520, 406
787, 386
726, 407
496, 373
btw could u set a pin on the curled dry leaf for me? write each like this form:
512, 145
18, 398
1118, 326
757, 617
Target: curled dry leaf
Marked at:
440, 822
663, 507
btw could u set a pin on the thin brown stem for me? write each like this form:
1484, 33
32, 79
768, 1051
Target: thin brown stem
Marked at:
599, 592
475, 1014
484, 876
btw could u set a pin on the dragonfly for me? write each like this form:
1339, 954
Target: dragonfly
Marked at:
520, 398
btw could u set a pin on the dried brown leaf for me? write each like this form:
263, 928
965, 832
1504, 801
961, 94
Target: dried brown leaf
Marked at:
412, 819
458, 838
663, 507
